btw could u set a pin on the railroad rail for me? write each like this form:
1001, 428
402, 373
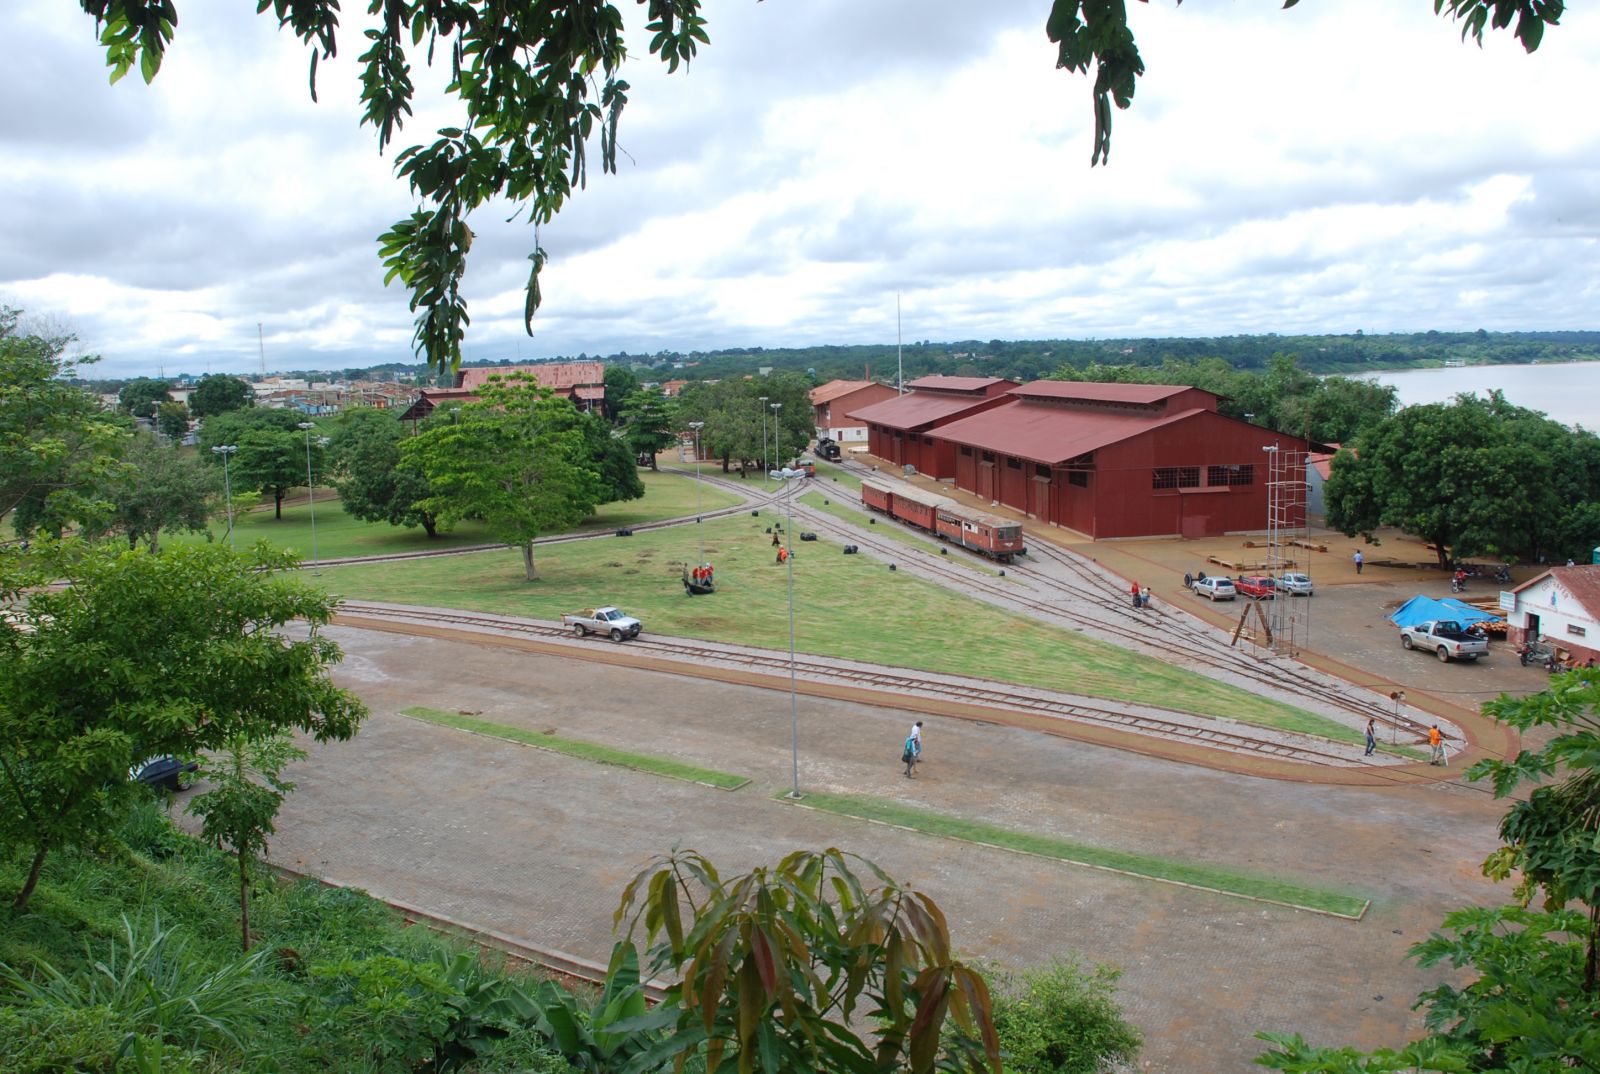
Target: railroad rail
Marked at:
1171, 725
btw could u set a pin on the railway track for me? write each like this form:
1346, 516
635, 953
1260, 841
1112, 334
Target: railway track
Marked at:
1167, 724
1113, 616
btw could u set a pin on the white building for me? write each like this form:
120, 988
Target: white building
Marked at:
1561, 607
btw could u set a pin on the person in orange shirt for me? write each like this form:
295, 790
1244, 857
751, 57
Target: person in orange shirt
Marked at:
1436, 740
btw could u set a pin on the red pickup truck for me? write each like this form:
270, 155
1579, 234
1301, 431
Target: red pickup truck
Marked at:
1258, 586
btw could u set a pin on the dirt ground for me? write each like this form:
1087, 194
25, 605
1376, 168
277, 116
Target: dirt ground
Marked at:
539, 845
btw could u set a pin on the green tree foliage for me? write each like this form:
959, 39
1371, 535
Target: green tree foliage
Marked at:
274, 461
374, 483
56, 445
237, 813
173, 421
648, 423
536, 79
1473, 477
228, 427
157, 488
741, 429
778, 969
142, 397
612, 460
173, 653
1063, 1019
519, 459
621, 382
219, 394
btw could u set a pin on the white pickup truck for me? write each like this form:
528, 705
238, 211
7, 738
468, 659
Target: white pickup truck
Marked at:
1444, 638
608, 621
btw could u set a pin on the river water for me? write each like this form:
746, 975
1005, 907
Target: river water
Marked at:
1568, 392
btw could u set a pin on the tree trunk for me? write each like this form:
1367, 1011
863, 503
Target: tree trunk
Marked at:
653, 465
133, 540
277, 502
1591, 963
21, 902
527, 563
155, 535
430, 526
244, 901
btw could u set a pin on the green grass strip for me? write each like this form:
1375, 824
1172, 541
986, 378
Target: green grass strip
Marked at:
1143, 866
588, 751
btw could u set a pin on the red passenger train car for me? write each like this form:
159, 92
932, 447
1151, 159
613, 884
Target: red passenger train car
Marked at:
988, 534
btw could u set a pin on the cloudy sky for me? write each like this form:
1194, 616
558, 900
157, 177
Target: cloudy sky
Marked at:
1346, 164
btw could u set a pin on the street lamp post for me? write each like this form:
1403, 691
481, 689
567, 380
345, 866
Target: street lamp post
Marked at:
311, 490
226, 450
787, 476
775, 433
765, 465
697, 426
1394, 728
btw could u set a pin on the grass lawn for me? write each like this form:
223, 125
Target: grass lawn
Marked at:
845, 606
1146, 866
339, 535
588, 751
895, 531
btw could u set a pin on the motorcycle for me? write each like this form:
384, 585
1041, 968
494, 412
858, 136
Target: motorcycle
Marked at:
1458, 583
1503, 574
1531, 653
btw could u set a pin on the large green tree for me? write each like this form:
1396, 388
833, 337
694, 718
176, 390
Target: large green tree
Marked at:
375, 484
537, 79
142, 397
158, 489
139, 655
219, 394
56, 445
274, 461
612, 460
1473, 477
518, 459
172, 419
648, 423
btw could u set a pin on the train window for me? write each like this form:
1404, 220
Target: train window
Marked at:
1231, 475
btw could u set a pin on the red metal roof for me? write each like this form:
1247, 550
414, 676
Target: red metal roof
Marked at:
1046, 434
954, 384
1093, 391
560, 376
1582, 581
824, 393
916, 410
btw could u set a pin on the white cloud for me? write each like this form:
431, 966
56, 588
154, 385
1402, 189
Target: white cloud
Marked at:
1326, 168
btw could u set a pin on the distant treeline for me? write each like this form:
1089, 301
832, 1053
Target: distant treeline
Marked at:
1025, 360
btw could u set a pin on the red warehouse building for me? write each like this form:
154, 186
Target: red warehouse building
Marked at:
901, 429
1118, 460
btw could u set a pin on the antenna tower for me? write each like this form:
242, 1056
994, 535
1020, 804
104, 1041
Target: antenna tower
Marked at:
261, 343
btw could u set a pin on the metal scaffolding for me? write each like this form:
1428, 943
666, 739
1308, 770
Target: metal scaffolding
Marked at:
1289, 620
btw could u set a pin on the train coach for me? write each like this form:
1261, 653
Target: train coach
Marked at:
987, 534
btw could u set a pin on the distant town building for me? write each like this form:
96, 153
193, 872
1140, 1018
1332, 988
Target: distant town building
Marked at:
582, 382
831, 404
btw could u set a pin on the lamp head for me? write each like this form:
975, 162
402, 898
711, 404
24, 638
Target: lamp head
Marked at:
307, 425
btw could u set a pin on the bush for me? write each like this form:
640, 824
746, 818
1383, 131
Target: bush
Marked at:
47, 1040
1062, 1019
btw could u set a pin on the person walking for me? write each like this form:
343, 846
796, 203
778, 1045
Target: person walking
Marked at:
1372, 736
1359, 561
1436, 740
913, 751
1134, 589
1144, 596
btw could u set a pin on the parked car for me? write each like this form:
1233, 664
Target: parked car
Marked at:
1258, 586
1215, 588
608, 621
1445, 639
163, 771
1296, 585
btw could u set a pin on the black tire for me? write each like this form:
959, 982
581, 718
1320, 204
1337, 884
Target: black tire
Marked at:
1443, 654
580, 630
616, 635
1405, 642
1524, 658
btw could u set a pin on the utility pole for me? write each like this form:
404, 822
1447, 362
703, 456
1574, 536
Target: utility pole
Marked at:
899, 352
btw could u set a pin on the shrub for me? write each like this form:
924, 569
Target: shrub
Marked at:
1062, 1019
47, 1040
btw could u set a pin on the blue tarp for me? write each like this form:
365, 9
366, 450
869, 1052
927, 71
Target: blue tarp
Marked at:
1420, 609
